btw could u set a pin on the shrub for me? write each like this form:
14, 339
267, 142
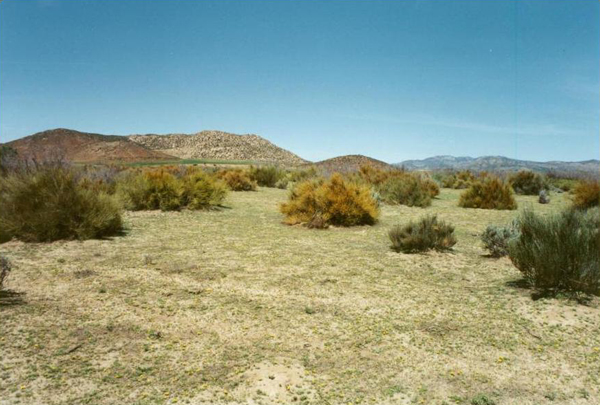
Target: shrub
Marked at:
9, 159
496, 238
237, 180
408, 189
150, 190
586, 194
266, 176
527, 183
296, 176
202, 191
559, 252
432, 187
319, 203
160, 189
426, 234
458, 180
48, 203
375, 176
543, 197
5, 269
488, 193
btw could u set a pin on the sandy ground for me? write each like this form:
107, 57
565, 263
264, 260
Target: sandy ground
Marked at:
233, 307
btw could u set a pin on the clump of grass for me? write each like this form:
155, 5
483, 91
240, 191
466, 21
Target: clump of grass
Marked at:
266, 176
526, 182
5, 269
408, 189
320, 203
559, 252
425, 234
490, 192
496, 239
586, 195
48, 203
237, 180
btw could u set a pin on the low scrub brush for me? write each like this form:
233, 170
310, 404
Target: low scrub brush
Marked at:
488, 193
49, 203
320, 203
559, 252
426, 234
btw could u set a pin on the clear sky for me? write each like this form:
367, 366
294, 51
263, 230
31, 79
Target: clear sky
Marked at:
394, 80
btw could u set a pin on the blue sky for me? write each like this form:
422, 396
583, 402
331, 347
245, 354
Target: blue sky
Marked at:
394, 80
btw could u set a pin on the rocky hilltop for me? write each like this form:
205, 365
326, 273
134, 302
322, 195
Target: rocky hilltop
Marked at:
218, 145
350, 163
83, 147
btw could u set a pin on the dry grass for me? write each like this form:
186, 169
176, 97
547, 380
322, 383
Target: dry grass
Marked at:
234, 307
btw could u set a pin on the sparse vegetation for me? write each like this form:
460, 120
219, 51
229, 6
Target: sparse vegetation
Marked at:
274, 289
320, 203
559, 252
490, 192
526, 182
426, 234
586, 194
47, 203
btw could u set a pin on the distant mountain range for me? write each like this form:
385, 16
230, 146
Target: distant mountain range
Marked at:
499, 163
86, 147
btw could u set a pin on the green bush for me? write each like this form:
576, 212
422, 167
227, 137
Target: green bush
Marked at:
202, 191
408, 189
266, 176
320, 203
48, 203
160, 189
426, 234
496, 238
559, 252
526, 182
455, 180
488, 193
296, 176
150, 190
586, 195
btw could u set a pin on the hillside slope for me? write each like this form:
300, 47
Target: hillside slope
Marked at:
499, 163
350, 163
218, 145
82, 147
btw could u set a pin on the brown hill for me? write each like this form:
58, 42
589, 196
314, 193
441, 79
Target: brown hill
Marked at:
350, 163
218, 145
83, 147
